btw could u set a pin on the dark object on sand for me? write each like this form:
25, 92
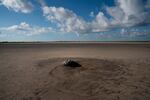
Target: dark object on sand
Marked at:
71, 63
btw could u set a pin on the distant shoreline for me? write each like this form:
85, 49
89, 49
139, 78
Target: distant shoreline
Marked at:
75, 42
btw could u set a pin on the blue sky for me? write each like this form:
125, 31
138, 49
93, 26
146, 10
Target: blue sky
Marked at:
74, 20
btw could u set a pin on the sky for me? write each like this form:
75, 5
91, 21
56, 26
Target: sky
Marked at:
74, 20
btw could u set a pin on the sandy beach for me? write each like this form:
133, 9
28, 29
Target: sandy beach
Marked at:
109, 71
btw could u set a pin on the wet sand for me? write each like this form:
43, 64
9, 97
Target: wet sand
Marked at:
109, 71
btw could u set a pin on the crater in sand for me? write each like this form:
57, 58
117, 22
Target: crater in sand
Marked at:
94, 77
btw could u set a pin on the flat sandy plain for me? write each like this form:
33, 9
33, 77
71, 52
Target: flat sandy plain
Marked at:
109, 71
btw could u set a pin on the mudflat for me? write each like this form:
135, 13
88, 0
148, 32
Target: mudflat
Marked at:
109, 71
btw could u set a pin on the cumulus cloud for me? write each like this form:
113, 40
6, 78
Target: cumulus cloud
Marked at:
24, 6
129, 13
100, 23
24, 28
126, 13
66, 20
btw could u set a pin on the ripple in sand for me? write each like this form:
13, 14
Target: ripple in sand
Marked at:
96, 76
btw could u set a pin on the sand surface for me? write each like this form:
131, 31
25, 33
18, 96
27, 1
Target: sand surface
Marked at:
109, 71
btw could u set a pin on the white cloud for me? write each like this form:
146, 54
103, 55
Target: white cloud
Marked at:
24, 28
66, 20
131, 32
129, 13
24, 6
100, 23
126, 13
